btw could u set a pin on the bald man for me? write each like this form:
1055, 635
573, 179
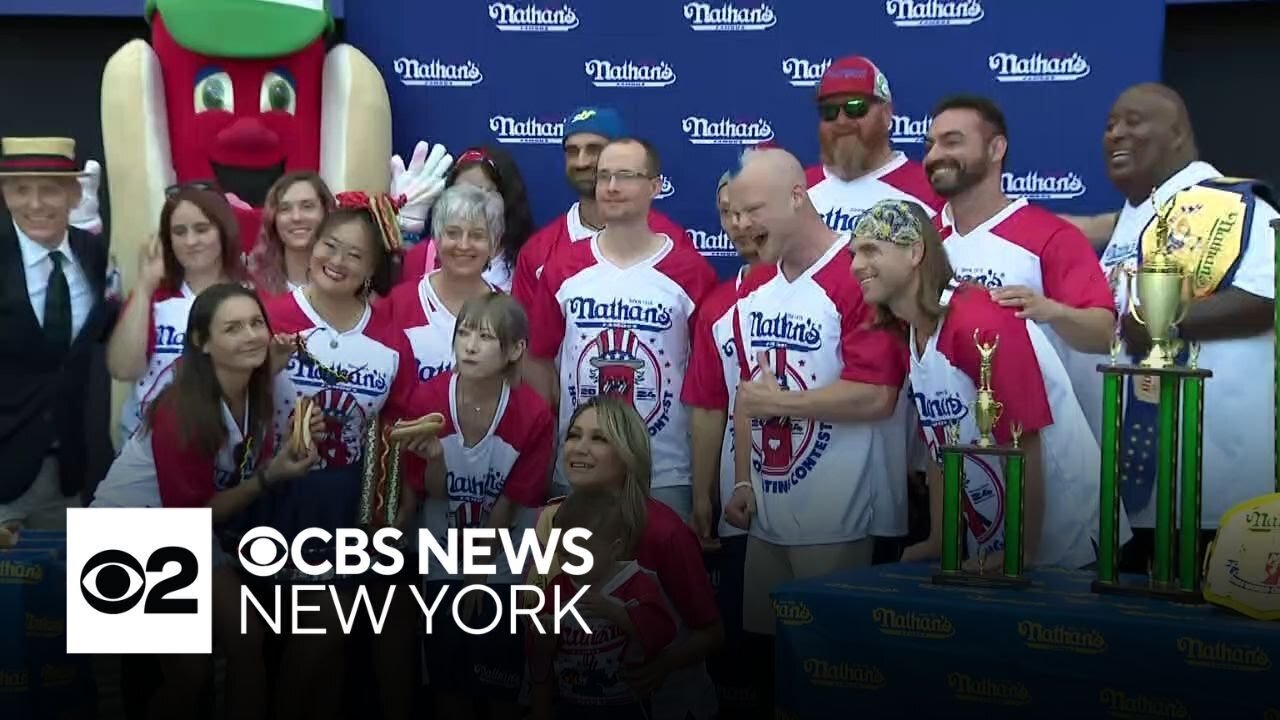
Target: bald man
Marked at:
819, 397
1149, 145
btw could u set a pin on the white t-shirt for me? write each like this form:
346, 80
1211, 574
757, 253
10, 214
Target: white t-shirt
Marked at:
1028, 379
427, 323
841, 203
819, 482
512, 459
712, 380
1239, 411
624, 332
165, 334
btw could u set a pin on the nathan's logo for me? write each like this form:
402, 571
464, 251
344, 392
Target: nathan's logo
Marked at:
842, 674
42, 626
1125, 704
1061, 637
1224, 656
802, 72
794, 332
989, 278
728, 17
531, 18
358, 379
939, 408
426, 372
627, 74
842, 220
703, 131
712, 244
591, 313
16, 572
526, 131
471, 497
909, 131
1011, 67
667, 189
987, 690
169, 338
1034, 186
1259, 521
922, 13
912, 624
792, 612
13, 680
434, 73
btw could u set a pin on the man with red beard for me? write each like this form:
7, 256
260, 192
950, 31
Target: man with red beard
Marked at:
859, 167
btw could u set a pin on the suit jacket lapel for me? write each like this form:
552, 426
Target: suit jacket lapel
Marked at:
15, 278
90, 258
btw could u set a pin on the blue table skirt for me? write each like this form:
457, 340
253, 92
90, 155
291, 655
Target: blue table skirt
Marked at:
37, 677
886, 642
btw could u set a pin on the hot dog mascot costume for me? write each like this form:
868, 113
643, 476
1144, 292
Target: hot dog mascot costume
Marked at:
237, 93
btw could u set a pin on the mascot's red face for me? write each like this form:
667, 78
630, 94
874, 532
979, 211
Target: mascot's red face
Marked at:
242, 123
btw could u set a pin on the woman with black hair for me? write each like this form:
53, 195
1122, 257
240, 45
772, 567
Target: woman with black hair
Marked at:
207, 441
493, 169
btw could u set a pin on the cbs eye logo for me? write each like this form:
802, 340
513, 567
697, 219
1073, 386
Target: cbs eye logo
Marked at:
114, 582
263, 551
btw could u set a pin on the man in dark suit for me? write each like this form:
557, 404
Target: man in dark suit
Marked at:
54, 315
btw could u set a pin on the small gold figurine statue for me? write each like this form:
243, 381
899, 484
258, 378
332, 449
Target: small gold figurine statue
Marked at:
986, 409
1016, 431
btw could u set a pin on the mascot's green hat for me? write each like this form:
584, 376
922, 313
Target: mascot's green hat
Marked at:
243, 28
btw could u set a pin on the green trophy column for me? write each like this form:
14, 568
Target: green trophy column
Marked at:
1109, 508
952, 486
1013, 525
1166, 461
1190, 471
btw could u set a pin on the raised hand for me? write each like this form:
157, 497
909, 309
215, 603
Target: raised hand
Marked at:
86, 215
419, 184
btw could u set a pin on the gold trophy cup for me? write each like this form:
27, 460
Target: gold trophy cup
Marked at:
986, 409
1162, 290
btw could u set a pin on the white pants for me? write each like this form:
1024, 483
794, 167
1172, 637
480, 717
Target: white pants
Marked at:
42, 506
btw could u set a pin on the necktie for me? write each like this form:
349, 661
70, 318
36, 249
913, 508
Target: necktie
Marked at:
57, 305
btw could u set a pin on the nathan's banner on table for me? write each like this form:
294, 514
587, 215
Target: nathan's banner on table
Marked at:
703, 80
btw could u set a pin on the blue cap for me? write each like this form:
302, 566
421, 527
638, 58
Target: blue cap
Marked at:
603, 121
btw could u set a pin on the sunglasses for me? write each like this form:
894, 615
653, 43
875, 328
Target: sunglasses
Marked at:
854, 108
194, 185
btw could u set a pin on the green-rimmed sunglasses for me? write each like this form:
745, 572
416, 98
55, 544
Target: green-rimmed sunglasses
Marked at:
854, 108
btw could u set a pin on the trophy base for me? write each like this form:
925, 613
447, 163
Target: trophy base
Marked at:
982, 580
1153, 589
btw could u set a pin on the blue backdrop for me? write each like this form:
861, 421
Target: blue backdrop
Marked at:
703, 79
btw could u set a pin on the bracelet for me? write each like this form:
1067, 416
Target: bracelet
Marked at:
746, 485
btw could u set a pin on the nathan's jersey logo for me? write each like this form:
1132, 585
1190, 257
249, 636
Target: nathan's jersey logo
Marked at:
712, 244
627, 74
728, 17
793, 332
471, 497
434, 73
526, 130
703, 131
939, 408
531, 18
1034, 186
621, 364
667, 190
801, 72
923, 13
1011, 67
841, 219
426, 372
989, 278
169, 339
910, 131
591, 313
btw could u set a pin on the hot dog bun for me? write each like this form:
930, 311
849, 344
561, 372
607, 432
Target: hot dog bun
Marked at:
355, 123
424, 426
300, 428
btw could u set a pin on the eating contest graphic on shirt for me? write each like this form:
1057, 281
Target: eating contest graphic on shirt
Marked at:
623, 356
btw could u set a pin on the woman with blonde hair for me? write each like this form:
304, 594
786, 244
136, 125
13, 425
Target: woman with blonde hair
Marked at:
607, 448
296, 206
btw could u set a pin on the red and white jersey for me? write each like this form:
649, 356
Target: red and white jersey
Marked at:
589, 666
427, 324
1030, 381
815, 481
841, 203
625, 333
373, 355
712, 380
513, 459
553, 239
165, 334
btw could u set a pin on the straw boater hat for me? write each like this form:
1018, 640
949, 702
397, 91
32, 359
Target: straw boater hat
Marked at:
39, 156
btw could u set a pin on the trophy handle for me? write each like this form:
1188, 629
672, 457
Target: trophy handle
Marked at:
998, 410
1186, 299
1132, 284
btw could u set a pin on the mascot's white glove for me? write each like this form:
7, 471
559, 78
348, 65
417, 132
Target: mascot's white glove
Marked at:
420, 184
85, 216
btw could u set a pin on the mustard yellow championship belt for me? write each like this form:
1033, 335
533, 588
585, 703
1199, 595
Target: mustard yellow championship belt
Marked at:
1242, 566
1208, 231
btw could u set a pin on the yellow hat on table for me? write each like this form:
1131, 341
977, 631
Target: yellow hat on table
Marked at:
39, 156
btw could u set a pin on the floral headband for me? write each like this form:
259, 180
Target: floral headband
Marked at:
890, 221
382, 208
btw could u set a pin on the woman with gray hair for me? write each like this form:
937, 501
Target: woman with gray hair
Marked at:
467, 223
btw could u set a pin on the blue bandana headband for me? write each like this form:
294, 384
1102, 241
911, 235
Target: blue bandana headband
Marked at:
890, 221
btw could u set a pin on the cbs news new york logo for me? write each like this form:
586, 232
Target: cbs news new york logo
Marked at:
139, 580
